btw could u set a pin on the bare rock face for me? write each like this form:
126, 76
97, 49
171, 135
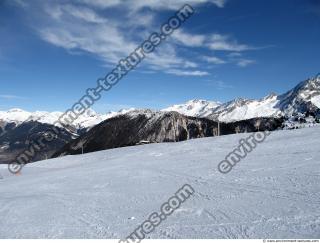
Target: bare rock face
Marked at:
145, 126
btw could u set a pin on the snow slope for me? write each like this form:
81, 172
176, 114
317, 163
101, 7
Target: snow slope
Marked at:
273, 193
316, 100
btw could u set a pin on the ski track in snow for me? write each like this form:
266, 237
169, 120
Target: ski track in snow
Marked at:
273, 193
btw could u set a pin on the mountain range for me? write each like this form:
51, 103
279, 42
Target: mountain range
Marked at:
302, 98
194, 119
14, 117
146, 126
305, 97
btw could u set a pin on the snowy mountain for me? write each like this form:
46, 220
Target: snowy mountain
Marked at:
271, 194
146, 126
195, 119
19, 129
197, 108
140, 126
15, 141
15, 117
304, 98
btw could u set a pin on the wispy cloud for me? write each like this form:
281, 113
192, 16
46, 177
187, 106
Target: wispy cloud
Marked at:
85, 26
79, 28
214, 60
20, 3
189, 39
187, 73
82, 13
245, 62
12, 97
220, 42
152, 4
234, 54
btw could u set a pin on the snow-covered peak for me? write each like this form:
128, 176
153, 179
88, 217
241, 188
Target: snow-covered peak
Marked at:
237, 109
14, 115
194, 107
271, 96
304, 97
86, 120
196, 103
238, 102
137, 112
117, 113
16, 110
242, 109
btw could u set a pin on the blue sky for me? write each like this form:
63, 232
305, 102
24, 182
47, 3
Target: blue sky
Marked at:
52, 51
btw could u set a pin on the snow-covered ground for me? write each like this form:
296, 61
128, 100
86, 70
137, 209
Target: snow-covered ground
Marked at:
273, 193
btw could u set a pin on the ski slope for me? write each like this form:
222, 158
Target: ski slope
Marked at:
273, 193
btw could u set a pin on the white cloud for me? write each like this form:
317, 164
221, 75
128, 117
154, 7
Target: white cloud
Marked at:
234, 54
101, 3
93, 34
20, 3
214, 60
86, 26
189, 64
11, 97
216, 42
81, 13
188, 39
78, 28
187, 72
220, 42
153, 4
173, 4
166, 58
245, 62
